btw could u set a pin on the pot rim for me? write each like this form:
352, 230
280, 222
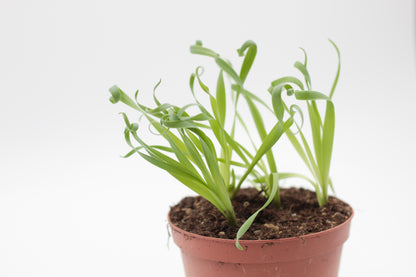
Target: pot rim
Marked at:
254, 242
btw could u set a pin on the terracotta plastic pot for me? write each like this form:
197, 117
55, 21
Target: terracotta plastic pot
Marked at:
313, 255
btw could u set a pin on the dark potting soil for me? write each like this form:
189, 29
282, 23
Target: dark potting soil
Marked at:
300, 215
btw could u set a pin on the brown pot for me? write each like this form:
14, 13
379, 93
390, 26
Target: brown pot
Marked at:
313, 255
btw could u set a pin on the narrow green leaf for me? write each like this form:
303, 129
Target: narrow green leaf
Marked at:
221, 99
334, 84
268, 142
199, 117
119, 95
296, 144
288, 79
331, 185
258, 121
305, 73
180, 155
195, 140
221, 160
188, 180
261, 163
243, 229
201, 107
251, 48
168, 161
310, 95
198, 72
200, 50
277, 102
196, 157
327, 144
115, 94
305, 63
286, 175
219, 185
236, 147
178, 123
160, 147
316, 133
228, 69
310, 161
154, 93
219, 133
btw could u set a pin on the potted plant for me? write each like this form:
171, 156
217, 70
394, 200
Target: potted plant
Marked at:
258, 231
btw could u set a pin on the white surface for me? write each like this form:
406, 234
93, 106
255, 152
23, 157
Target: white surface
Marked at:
69, 206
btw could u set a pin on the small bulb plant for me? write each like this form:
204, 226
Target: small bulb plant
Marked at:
202, 150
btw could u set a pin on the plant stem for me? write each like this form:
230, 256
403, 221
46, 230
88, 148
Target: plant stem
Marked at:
232, 219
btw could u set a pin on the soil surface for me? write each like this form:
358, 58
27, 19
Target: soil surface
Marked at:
300, 215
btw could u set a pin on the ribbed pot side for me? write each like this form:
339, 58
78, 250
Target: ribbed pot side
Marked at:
313, 255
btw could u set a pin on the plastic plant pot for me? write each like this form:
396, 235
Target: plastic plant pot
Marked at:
313, 255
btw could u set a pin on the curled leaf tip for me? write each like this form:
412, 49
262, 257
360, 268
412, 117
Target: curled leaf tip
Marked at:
130, 127
134, 126
305, 55
115, 94
247, 44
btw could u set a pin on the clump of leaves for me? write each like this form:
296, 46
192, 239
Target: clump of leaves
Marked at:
192, 155
322, 125
318, 157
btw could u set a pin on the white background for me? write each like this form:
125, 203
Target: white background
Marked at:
69, 206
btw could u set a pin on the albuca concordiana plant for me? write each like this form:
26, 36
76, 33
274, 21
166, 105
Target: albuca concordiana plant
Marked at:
201, 149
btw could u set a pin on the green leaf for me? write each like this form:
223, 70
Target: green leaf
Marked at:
221, 99
178, 123
277, 102
310, 95
331, 185
167, 161
239, 149
219, 133
180, 155
261, 164
246, 225
219, 186
251, 48
314, 119
297, 147
200, 50
196, 157
187, 180
119, 95
115, 94
195, 140
258, 121
288, 79
305, 73
327, 144
338, 70
201, 107
305, 63
268, 142
228, 69
154, 93
198, 72
160, 147
286, 175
